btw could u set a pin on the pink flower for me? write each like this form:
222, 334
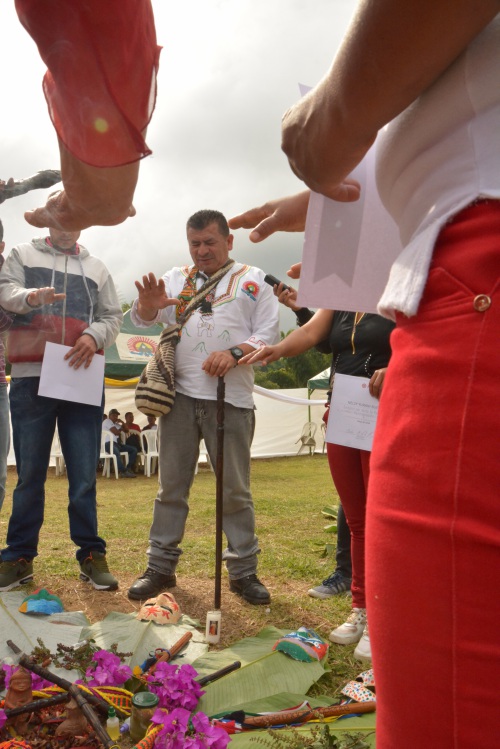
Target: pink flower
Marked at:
177, 733
106, 668
175, 686
3, 718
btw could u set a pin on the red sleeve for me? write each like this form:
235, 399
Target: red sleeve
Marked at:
100, 86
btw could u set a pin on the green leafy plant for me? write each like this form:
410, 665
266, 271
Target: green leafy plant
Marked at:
319, 737
330, 512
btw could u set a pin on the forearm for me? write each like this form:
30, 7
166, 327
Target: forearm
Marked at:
308, 335
391, 54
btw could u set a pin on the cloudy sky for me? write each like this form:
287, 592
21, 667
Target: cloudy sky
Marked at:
228, 71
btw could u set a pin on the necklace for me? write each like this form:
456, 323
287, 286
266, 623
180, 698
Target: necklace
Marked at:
357, 319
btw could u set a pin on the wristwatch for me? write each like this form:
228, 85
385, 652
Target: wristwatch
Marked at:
237, 353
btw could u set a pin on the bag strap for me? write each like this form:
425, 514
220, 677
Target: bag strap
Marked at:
200, 295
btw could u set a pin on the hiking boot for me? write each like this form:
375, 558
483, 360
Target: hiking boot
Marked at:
150, 584
363, 651
95, 570
15, 573
250, 589
352, 629
332, 586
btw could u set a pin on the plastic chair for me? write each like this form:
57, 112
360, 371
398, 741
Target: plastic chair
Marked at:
149, 440
306, 439
107, 457
56, 453
323, 434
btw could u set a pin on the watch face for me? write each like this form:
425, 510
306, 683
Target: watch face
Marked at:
237, 353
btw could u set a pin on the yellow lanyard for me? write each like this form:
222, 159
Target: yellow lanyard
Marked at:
357, 319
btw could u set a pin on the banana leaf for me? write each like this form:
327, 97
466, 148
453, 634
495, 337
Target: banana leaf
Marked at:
264, 674
142, 638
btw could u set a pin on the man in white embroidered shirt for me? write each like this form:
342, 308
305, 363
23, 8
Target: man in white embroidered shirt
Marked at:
237, 316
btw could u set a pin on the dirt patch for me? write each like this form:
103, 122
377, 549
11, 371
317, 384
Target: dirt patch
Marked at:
195, 597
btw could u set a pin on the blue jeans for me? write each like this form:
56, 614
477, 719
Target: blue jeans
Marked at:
34, 421
118, 448
180, 433
4, 439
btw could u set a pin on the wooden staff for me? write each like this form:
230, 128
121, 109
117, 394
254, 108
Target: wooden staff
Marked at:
219, 496
171, 652
302, 716
34, 707
219, 674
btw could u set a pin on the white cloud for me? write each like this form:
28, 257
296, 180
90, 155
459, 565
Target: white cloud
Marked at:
228, 71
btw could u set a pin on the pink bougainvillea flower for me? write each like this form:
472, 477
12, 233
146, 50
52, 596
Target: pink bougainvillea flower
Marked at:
175, 686
106, 668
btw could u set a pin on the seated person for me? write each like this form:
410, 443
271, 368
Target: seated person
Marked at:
151, 424
114, 425
133, 431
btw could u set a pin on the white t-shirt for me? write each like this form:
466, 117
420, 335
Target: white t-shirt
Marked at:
244, 310
437, 157
108, 424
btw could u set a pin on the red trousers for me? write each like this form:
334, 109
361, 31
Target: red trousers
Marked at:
433, 513
350, 469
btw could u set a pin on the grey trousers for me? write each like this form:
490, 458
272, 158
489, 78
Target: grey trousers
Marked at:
180, 433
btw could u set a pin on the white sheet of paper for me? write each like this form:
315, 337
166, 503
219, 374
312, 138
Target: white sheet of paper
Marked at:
353, 413
59, 380
348, 248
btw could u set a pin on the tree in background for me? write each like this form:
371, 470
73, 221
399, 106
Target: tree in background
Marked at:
293, 372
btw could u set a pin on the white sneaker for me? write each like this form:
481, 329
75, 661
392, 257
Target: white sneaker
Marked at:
352, 629
363, 651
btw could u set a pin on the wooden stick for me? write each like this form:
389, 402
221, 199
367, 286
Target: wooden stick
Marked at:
219, 495
75, 692
219, 674
171, 652
302, 716
34, 707
92, 718
101, 705
26, 661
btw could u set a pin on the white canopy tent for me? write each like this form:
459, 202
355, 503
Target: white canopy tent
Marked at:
279, 418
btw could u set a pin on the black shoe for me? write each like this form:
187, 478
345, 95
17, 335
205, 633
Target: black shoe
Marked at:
251, 589
150, 584
128, 475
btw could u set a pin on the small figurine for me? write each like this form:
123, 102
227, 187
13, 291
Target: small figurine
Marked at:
18, 694
75, 723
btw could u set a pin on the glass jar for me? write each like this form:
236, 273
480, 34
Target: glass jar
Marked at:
143, 706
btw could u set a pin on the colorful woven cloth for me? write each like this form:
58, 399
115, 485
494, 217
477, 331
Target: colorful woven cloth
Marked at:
41, 601
115, 696
302, 645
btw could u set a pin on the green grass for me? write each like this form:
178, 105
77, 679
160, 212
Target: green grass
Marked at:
289, 494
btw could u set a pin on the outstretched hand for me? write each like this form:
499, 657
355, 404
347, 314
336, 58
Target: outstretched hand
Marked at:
283, 214
263, 355
45, 295
152, 296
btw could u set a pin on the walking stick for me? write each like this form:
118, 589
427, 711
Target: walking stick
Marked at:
219, 484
